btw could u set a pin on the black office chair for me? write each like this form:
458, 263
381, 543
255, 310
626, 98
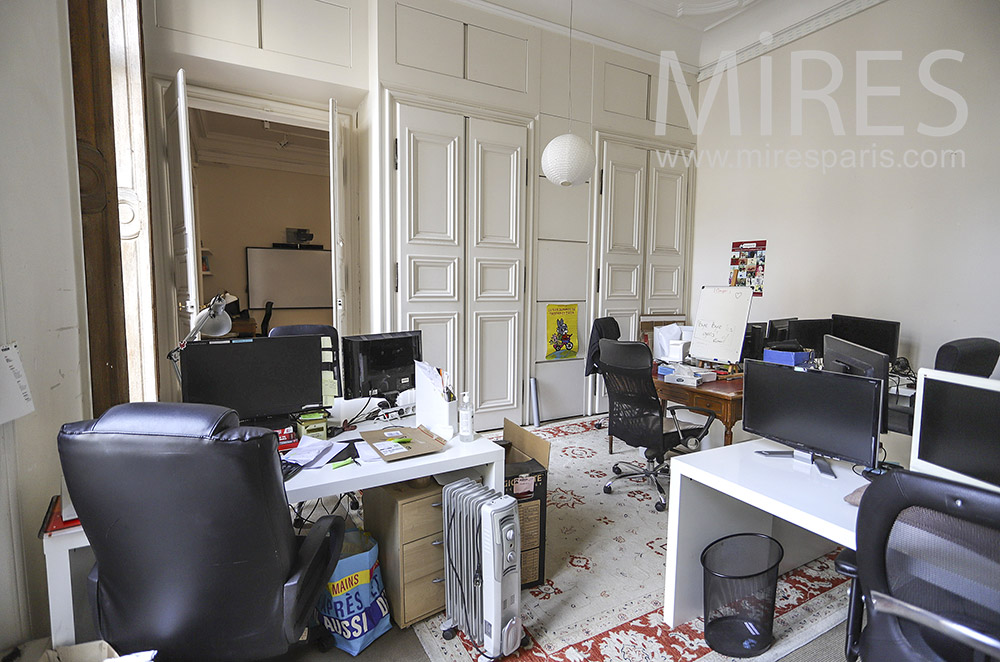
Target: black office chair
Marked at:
603, 327
186, 514
315, 330
926, 564
968, 356
639, 418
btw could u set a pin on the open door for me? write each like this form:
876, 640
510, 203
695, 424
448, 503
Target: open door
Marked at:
336, 220
180, 206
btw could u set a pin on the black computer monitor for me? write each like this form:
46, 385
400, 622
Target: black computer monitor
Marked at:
777, 330
258, 377
380, 364
810, 333
880, 335
841, 355
753, 341
815, 412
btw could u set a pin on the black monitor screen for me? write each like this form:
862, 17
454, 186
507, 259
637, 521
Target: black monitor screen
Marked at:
826, 413
880, 335
959, 429
841, 355
753, 341
810, 333
380, 364
257, 377
777, 330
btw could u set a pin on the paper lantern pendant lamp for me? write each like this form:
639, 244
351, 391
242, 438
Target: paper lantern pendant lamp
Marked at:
568, 160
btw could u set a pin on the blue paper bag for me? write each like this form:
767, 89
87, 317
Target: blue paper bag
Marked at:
353, 608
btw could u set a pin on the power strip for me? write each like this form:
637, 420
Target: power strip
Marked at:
396, 413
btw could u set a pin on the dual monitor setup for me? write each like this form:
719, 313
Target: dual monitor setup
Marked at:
275, 377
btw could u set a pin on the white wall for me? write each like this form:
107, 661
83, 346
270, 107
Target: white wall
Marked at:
41, 281
914, 245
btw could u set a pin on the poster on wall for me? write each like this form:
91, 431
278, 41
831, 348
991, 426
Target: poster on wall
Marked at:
746, 265
560, 327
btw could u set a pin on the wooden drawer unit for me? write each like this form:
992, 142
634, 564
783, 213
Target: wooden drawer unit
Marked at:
406, 522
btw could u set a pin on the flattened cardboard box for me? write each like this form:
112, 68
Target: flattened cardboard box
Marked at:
525, 478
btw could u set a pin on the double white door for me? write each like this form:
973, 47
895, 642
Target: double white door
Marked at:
461, 251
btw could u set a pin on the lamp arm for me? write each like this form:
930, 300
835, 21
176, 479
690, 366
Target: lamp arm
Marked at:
214, 308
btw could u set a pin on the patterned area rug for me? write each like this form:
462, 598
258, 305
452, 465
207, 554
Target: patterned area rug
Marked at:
605, 557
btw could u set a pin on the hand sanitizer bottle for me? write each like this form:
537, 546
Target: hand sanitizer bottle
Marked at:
465, 430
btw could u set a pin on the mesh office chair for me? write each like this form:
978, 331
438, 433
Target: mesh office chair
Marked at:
639, 418
603, 327
186, 514
928, 553
968, 356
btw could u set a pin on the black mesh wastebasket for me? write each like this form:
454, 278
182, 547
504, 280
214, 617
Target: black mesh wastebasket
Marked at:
741, 576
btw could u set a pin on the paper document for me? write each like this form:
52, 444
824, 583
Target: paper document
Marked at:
15, 396
366, 453
312, 453
389, 447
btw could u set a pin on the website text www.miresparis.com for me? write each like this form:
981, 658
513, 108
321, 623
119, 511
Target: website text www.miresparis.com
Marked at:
823, 101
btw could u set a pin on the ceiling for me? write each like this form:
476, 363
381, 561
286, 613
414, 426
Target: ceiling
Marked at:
698, 14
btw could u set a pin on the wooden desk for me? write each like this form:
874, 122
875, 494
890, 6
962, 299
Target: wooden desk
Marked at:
724, 397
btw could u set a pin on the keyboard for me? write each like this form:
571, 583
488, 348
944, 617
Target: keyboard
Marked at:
289, 469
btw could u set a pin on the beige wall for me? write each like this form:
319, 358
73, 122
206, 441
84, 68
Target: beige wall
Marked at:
41, 292
914, 245
240, 206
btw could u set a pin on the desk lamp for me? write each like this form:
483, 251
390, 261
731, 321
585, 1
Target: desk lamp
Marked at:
213, 320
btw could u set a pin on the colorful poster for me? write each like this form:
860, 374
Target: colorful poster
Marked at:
560, 327
746, 265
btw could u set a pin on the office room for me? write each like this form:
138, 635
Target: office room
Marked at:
863, 153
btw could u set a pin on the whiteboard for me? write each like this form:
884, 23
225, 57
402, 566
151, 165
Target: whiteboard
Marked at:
291, 278
721, 322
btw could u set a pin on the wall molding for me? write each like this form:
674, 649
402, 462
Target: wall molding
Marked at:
804, 28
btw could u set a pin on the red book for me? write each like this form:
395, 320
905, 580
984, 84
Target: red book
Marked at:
53, 518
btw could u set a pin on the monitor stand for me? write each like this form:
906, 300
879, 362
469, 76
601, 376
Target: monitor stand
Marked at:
801, 456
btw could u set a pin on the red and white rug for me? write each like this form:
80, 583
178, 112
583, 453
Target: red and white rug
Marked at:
605, 556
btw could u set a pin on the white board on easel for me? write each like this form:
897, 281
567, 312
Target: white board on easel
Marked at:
720, 325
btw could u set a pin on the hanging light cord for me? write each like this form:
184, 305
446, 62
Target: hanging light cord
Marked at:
569, 111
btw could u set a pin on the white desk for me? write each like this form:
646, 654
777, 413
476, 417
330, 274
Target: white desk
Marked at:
721, 491
306, 485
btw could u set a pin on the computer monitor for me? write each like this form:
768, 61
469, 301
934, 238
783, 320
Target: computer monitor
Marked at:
810, 333
814, 412
777, 330
880, 335
380, 364
841, 355
258, 377
956, 433
753, 341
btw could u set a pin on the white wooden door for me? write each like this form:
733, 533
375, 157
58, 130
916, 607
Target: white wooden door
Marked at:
180, 205
336, 219
495, 259
666, 234
430, 199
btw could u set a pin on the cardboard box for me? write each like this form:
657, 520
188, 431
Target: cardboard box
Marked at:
787, 358
526, 466
94, 651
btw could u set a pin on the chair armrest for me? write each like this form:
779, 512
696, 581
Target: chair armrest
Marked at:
315, 563
708, 413
847, 563
887, 604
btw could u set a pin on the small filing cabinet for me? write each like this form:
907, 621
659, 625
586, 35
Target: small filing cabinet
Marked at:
406, 521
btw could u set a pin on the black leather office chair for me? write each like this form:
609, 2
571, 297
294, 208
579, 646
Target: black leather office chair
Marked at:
186, 514
969, 356
639, 418
603, 327
926, 564
315, 330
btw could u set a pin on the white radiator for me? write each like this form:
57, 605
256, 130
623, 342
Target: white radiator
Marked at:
482, 559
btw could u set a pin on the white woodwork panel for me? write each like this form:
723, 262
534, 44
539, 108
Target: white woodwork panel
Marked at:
621, 281
675, 107
497, 279
497, 180
541, 335
234, 21
666, 211
628, 321
561, 389
433, 179
561, 271
497, 59
625, 190
432, 278
428, 41
495, 359
438, 339
663, 281
563, 211
555, 76
314, 29
626, 91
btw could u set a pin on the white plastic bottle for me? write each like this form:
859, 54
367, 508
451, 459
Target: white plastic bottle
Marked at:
465, 429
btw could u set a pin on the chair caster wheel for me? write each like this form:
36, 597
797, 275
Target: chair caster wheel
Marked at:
448, 634
607, 489
616, 470
525, 641
660, 507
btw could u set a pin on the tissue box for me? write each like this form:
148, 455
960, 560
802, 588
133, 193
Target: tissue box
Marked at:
787, 358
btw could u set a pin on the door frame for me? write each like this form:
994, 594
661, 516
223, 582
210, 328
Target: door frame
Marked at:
302, 114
